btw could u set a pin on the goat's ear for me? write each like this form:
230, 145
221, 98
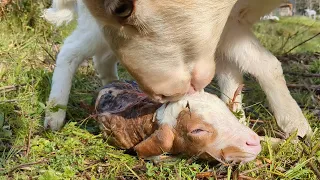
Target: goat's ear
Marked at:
159, 142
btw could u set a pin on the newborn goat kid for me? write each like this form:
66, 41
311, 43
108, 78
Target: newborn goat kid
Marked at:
198, 125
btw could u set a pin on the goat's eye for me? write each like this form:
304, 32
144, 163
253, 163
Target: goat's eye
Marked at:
124, 9
196, 131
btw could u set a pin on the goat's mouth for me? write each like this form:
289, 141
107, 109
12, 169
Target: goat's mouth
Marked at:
230, 158
240, 158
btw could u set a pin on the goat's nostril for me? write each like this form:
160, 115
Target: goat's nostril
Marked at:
253, 141
249, 143
253, 144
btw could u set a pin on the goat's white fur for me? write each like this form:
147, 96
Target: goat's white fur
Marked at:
238, 52
61, 11
311, 13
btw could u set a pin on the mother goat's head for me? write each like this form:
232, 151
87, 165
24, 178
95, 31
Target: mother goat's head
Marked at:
168, 46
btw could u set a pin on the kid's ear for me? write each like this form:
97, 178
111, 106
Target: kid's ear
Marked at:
159, 142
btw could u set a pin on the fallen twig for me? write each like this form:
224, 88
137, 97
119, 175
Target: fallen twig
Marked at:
26, 165
309, 107
287, 40
294, 36
303, 74
50, 55
203, 175
246, 177
236, 174
8, 101
294, 86
315, 169
134, 173
11, 88
215, 174
256, 121
301, 86
303, 42
28, 142
254, 169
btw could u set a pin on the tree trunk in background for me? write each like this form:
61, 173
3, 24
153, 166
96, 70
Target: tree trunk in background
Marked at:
310, 4
301, 5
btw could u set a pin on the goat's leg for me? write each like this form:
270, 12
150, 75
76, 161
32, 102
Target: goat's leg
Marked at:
105, 63
229, 79
80, 45
252, 57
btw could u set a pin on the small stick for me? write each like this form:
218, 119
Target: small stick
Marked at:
246, 177
308, 107
11, 87
50, 55
297, 86
28, 142
87, 176
9, 101
8, 87
259, 121
235, 174
302, 43
215, 174
304, 74
254, 169
203, 175
26, 165
314, 168
295, 35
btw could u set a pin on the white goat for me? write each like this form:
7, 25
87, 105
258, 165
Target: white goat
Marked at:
172, 48
311, 13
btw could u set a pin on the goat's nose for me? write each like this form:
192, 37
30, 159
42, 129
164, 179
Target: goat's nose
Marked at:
253, 143
164, 99
191, 90
157, 98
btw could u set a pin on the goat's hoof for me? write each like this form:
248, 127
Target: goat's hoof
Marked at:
54, 120
292, 125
